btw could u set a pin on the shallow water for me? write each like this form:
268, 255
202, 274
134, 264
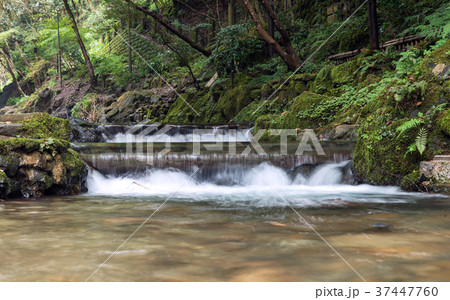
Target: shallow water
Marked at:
240, 232
221, 217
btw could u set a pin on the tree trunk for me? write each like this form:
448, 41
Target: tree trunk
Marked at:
37, 82
271, 30
76, 9
292, 61
160, 19
167, 42
231, 13
10, 69
80, 42
285, 39
373, 25
90, 4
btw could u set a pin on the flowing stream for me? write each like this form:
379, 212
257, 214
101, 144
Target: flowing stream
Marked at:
225, 218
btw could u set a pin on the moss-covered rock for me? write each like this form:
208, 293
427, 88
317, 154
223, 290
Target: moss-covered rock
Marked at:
411, 182
444, 123
436, 65
134, 106
343, 73
44, 126
305, 101
380, 155
232, 101
36, 167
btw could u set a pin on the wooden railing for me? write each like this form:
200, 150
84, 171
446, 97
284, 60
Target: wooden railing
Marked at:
396, 45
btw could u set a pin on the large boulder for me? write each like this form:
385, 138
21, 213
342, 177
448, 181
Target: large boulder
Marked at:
295, 118
136, 106
37, 167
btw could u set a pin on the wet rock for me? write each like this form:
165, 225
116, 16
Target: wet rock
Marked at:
305, 170
44, 100
83, 132
7, 185
12, 130
33, 168
137, 106
380, 227
9, 164
343, 132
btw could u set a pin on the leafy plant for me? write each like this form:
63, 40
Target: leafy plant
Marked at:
410, 124
236, 48
421, 140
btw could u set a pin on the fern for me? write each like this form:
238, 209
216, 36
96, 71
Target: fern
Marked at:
421, 140
410, 124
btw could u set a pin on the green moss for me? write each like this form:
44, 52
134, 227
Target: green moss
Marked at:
30, 145
305, 101
322, 82
3, 176
255, 94
73, 163
444, 123
45, 126
370, 79
379, 156
201, 108
266, 122
438, 56
343, 73
232, 101
411, 182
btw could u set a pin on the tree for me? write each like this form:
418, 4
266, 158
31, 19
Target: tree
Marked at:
10, 67
160, 19
288, 54
89, 66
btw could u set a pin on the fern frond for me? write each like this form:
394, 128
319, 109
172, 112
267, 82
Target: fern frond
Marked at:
413, 123
421, 140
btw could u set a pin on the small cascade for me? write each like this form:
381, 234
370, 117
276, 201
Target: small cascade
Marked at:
178, 133
262, 185
117, 159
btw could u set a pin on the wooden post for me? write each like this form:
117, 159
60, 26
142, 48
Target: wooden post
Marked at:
373, 25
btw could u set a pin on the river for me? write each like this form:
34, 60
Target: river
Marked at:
221, 218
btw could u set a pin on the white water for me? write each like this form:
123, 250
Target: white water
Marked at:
264, 185
215, 134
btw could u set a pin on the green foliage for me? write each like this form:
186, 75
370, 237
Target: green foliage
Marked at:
87, 108
409, 62
237, 46
48, 42
410, 124
15, 100
437, 24
421, 140
111, 65
5, 36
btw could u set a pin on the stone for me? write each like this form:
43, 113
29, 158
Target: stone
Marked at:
10, 130
343, 131
9, 164
438, 170
34, 159
14, 118
29, 169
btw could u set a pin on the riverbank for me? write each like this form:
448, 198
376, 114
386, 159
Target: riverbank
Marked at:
394, 105
38, 160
